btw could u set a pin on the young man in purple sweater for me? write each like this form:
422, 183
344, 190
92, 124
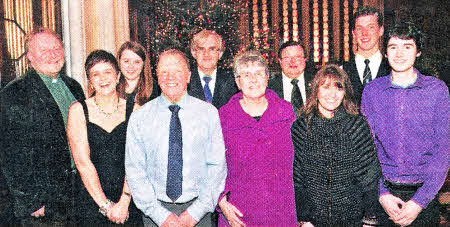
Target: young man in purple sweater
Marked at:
409, 116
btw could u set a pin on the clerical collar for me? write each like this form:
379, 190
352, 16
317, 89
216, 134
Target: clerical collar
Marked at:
49, 79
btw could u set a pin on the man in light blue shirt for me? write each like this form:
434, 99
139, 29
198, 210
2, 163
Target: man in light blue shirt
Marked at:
203, 167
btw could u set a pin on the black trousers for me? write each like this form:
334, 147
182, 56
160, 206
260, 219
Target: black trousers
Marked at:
427, 217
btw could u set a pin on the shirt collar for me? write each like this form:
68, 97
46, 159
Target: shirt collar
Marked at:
298, 77
164, 101
375, 58
201, 74
418, 83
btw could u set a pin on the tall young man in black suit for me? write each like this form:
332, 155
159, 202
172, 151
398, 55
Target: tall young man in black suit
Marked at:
208, 82
368, 62
292, 84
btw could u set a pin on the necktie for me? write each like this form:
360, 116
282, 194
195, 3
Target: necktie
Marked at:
175, 156
206, 89
296, 96
367, 76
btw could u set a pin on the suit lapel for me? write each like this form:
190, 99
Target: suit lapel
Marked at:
276, 84
195, 87
384, 68
74, 89
354, 76
355, 73
308, 78
44, 100
219, 86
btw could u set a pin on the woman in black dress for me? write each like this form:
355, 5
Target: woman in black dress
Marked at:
96, 130
336, 169
136, 82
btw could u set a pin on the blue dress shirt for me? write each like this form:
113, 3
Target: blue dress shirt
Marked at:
146, 157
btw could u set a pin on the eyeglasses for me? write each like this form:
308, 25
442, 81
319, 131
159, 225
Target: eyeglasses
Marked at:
295, 58
211, 49
257, 75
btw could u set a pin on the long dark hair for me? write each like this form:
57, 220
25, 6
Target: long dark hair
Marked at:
145, 85
333, 72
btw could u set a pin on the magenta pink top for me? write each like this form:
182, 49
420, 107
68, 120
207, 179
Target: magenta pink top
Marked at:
259, 158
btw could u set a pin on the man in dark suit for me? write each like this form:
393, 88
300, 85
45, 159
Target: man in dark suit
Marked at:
292, 84
208, 82
368, 62
35, 155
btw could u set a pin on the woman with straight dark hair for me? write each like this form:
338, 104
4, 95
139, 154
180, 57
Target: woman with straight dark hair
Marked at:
96, 130
336, 168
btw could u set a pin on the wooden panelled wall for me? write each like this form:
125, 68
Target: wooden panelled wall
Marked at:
18, 18
323, 26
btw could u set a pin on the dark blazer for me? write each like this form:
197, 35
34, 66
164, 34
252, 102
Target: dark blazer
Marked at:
225, 86
352, 71
276, 83
35, 155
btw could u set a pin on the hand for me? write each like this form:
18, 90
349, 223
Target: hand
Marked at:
408, 214
305, 224
391, 204
187, 219
231, 213
172, 221
118, 212
39, 213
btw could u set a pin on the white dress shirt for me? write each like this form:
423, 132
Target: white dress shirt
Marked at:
374, 65
287, 87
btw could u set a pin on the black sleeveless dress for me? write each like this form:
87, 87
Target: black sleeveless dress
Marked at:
108, 156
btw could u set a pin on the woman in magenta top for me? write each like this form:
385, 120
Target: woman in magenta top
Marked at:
256, 128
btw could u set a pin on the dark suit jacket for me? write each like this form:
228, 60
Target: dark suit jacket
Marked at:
276, 83
352, 71
35, 155
225, 86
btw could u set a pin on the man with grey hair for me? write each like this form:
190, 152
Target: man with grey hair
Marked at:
35, 155
175, 159
209, 82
